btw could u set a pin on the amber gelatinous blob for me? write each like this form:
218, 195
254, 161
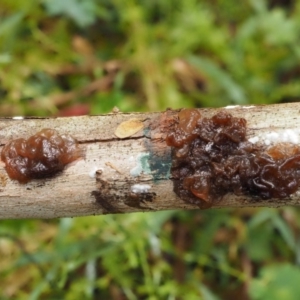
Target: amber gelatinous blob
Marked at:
41, 155
212, 157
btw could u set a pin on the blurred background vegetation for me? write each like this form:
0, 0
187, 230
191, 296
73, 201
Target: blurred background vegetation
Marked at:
77, 57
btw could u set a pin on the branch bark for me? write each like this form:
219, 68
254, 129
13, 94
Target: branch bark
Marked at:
123, 175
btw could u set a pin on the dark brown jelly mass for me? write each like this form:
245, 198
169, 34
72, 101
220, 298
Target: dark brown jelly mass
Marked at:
212, 157
41, 155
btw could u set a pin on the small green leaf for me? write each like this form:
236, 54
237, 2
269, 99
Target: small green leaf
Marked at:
83, 13
8, 24
276, 282
234, 91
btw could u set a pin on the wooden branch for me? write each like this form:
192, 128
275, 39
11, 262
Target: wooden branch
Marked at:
123, 175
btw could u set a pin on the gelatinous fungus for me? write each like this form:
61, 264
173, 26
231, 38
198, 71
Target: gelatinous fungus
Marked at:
41, 155
212, 157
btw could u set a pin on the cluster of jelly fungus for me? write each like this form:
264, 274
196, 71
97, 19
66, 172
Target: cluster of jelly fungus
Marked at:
41, 155
212, 157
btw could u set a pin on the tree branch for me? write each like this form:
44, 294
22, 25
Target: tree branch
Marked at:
129, 174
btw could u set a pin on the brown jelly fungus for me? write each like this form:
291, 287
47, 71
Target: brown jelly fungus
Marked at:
41, 155
212, 157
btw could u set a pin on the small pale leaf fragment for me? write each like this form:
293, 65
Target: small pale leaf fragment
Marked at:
128, 128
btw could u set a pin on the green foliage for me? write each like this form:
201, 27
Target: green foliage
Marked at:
141, 56
232, 54
277, 282
83, 13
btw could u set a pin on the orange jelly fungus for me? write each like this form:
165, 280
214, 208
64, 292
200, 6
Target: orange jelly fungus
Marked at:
41, 155
212, 157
